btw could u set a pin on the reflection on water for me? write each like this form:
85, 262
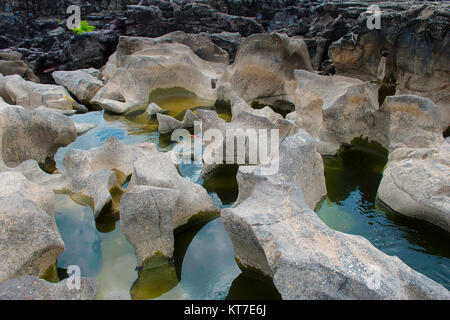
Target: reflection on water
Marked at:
156, 278
203, 266
222, 181
261, 289
352, 179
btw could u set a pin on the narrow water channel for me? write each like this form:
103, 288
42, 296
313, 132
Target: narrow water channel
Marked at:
352, 179
204, 266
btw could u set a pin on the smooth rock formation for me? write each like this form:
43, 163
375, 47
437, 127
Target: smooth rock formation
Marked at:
416, 180
140, 66
158, 201
308, 260
167, 124
30, 95
96, 172
29, 239
274, 230
411, 122
146, 219
33, 288
298, 163
32, 134
247, 123
153, 109
263, 70
81, 83
11, 63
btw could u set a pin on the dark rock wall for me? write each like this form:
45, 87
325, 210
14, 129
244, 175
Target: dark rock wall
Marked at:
336, 31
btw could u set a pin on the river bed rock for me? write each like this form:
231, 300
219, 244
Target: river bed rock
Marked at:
32, 134
416, 180
81, 83
140, 66
273, 230
157, 202
263, 71
30, 241
30, 95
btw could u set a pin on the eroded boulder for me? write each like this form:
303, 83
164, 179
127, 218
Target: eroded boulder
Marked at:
416, 180
30, 95
263, 70
158, 201
81, 83
32, 134
96, 172
140, 66
275, 231
30, 241
167, 124
336, 109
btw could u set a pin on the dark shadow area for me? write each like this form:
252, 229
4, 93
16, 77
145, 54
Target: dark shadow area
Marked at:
250, 286
222, 181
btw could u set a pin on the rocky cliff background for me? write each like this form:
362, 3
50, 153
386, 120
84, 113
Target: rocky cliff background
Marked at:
411, 49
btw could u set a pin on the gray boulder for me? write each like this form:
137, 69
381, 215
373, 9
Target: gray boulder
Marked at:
95, 173
263, 70
153, 109
416, 180
33, 288
167, 124
146, 218
158, 201
30, 95
275, 232
32, 134
140, 66
81, 83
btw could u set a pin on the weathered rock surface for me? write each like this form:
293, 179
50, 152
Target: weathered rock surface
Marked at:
33, 288
140, 66
298, 163
81, 83
410, 48
11, 63
96, 172
29, 239
263, 70
416, 180
412, 122
153, 109
32, 134
30, 95
167, 124
274, 230
248, 125
158, 201
336, 109
147, 220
